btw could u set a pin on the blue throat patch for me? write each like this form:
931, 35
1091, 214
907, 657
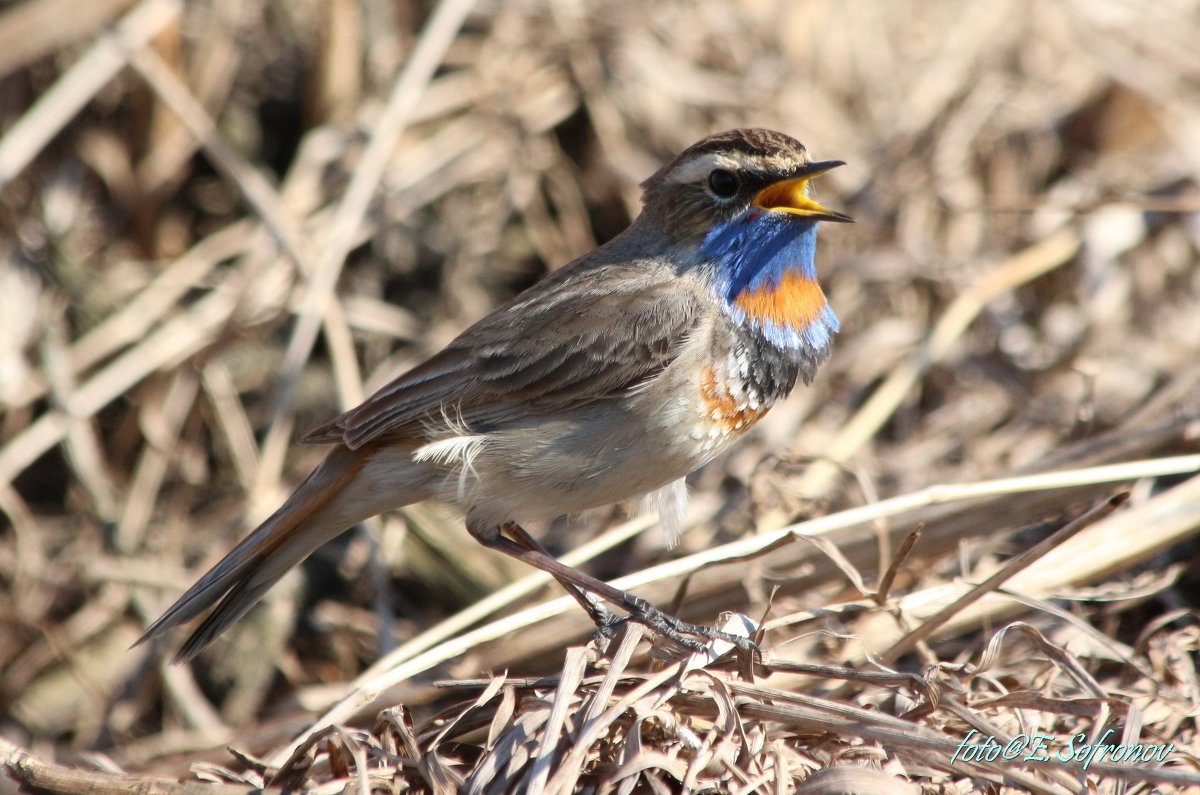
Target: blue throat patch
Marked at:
763, 255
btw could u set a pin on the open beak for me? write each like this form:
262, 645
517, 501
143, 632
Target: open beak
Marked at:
791, 195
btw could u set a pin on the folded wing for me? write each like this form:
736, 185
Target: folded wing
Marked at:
573, 339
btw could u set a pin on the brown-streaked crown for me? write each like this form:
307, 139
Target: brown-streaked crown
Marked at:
757, 143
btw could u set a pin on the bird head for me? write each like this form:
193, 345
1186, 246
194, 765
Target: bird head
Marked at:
737, 210
732, 176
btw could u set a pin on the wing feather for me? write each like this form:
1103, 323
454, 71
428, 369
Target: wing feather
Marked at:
570, 340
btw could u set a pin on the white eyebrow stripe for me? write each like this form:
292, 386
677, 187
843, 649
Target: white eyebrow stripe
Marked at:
697, 170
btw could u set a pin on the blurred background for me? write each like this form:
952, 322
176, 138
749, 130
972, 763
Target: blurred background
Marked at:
174, 178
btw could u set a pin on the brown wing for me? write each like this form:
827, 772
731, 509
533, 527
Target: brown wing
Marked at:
580, 337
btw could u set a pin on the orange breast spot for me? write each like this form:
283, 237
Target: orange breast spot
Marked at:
727, 413
793, 303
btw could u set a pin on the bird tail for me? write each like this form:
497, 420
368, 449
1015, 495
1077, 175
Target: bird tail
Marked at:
347, 487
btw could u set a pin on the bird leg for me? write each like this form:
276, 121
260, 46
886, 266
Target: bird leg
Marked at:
601, 616
584, 588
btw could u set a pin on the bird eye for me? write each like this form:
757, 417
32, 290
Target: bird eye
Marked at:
722, 183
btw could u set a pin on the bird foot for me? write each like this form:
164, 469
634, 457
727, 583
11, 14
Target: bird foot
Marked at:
693, 637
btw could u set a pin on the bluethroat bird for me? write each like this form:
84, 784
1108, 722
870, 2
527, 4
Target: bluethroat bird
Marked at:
612, 378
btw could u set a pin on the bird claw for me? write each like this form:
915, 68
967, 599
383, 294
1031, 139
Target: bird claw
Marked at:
695, 638
607, 623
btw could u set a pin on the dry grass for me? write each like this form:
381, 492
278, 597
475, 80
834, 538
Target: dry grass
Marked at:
222, 221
